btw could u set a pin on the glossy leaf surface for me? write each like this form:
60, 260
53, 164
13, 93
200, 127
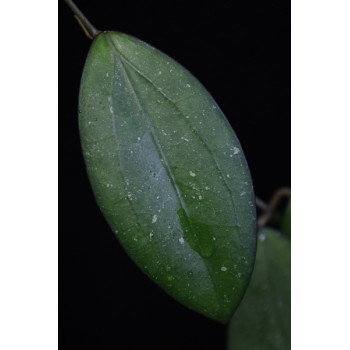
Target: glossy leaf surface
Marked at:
262, 320
168, 173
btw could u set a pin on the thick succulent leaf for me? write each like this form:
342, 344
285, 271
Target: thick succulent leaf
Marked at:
286, 224
168, 173
262, 320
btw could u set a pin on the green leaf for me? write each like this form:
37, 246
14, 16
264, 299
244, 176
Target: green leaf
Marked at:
168, 173
286, 224
262, 320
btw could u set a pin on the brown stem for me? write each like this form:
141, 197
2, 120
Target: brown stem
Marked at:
88, 28
269, 210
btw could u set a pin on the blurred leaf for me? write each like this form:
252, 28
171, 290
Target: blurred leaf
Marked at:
262, 321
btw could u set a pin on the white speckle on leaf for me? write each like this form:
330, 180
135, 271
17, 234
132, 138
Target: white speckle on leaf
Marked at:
262, 237
181, 240
139, 138
214, 238
151, 235
188, 85
184, 138
130, 196
200, 198
223, 268
164, 133
243, 193
192, 173
111, 109
228, 175
107, 74
236, 150
207, 188
160, 72
154, 219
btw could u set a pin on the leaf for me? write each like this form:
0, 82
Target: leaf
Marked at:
262, 321
286, 224
168, 173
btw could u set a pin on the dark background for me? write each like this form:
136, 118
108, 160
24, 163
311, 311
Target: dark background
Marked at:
240, 51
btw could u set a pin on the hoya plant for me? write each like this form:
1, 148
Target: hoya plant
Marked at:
170, 178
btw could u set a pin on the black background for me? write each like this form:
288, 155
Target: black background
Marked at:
240, 51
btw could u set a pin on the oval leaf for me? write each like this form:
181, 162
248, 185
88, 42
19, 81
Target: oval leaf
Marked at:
262, 320
168, 173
